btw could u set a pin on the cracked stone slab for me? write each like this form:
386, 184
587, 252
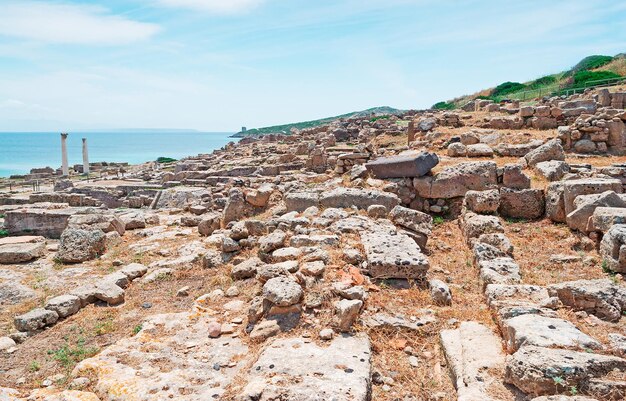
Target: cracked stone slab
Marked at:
296, 369
172, 357
473, 353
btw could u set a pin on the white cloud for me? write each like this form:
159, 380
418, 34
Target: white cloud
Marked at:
67, 23
214, 6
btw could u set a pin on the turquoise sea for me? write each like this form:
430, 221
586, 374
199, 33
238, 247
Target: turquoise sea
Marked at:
21, 151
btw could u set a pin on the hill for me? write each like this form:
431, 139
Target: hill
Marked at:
286, 128
590, 71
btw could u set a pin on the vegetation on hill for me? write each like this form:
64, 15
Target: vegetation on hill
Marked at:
376, 112
584, 74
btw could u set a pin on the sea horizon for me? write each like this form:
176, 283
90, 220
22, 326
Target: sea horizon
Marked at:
22, 151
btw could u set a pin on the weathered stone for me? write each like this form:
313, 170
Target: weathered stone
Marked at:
473, 352
129, 370
361, 198
265, 330
440, 292
475, 225
412, 220
296, 369
109, 293
555, 202
246, 269
613, 248
605, 217
499, 295
393, 255
21, 249
552, 170
551, 150
300, 201
209, 224
80, 245
586, 186
272, 241
479, 150
346, 313
585, 146
522, 204
44, 222
513, 177
538, 370
64, 305
501, 270
377, 211
600, 297
585, 205
543, 331
97, 221
35, 320
455, 181
134, 270
261, 196
499, 241
482, 201
457, 149
282, 291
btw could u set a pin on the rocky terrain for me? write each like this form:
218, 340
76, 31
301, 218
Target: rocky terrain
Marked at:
438, 255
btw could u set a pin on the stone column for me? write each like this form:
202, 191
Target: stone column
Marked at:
411, 133
64, 165
85, 157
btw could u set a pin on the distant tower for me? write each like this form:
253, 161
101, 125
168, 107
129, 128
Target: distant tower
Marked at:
243, 129
64, 165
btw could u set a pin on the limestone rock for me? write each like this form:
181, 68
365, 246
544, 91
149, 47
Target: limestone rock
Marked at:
346, 313
80, 245
64, 305
551, 150
21, 249
361, 198
407, 165
601, 297
522, 204
480, 202
613, 248
35, 319
552, 170
393, 255
440, 292
282, 291
455, 181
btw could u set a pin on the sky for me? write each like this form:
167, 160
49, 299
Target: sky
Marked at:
217, 65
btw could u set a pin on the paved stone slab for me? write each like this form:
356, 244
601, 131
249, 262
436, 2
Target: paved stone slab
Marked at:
408, 165
296, 369
21, 252
534, 329
393, 255
171, 358
473, 351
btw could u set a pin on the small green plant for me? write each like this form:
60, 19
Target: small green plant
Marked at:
438, 220
104, 327
606, 268
2, 216
68, 356
34, 366
379, 118
573, 390
137, 329
4, 233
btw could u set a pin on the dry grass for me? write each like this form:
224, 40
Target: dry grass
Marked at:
450, 261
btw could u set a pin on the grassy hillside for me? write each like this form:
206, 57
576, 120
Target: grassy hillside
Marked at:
286, 128
584, 74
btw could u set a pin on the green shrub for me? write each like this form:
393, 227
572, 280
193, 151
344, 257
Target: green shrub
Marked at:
583, 77
68, 356
443, 106
543, 81
507, 88
4, 233
379, 118
483, 97
165, 160
591, 62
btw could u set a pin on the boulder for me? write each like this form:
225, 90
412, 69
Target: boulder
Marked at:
605, 217
35, 320
300, 201
585, 205
479, 150
587, 186
613, 248
551, 150
64, 305
261, 196
401, 166
522, 204
272, 241
457, 149
486, 202
552, 170
282, 291
81, 245
455, 181
475, 225
209, 223
601, 297
513, 177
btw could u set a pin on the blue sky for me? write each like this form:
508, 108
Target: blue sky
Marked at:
220, 64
